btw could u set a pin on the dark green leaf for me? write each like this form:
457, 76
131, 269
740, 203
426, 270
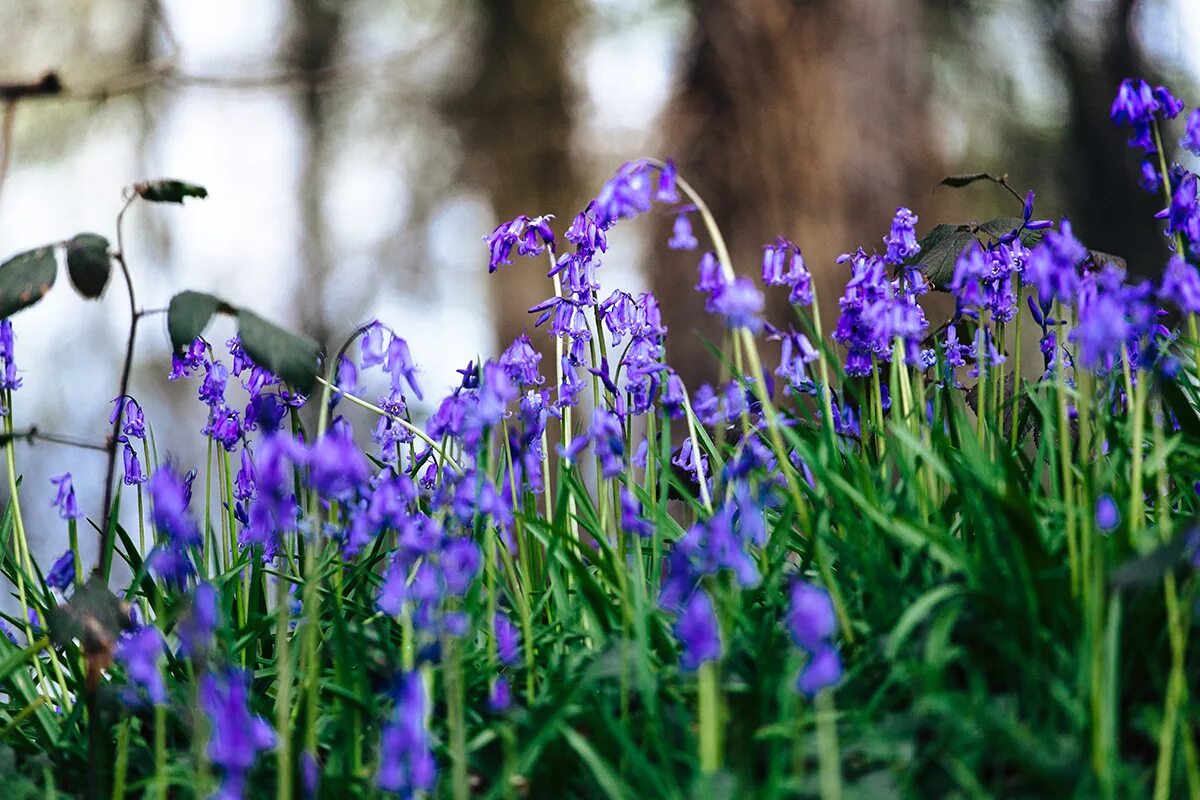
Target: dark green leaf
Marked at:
959, 181
1150, 569
95, 616
939, 252
294, 358
166, 190
188, 315
88, 264
1000, 227
25, 279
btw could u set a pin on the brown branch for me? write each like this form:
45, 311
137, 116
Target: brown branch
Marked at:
46, 86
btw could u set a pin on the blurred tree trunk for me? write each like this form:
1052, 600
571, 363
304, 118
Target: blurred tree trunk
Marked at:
1109, 210
798, 118
515, 119
312, 49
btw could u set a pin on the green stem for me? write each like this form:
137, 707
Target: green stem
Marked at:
710, 718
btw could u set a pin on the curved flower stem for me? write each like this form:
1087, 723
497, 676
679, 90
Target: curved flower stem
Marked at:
413, 429
103, 556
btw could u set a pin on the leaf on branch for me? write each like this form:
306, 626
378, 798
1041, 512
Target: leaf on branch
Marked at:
942, 246
26, 278
166, 190
88, 264
95, 617
188, 315
959, 181
295, 359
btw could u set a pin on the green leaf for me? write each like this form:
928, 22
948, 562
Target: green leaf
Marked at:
166, 190
1151, 568
294, 358
26, 278
1000, 227
188, 314
959, 181
88, 264
939, 252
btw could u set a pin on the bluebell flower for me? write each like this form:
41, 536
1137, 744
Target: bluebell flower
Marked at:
1181, 285
520, 362
631, 191
197, 628
64, 498
698, 632
711, 275
1191, 136
133, 467
274, 510
740, 302
169, 496
212, 388
337, 468
1108, 516
243, 484
500, 695
1139, 106
783, 265
530, 235
224, 426
508, 639
586, 234
682, 237
406, 764
134, 423
9, 379
795, 354
901, 241
237, 735
1052, 267
823, 670
400, 365
810, 617
62, 573
139, 653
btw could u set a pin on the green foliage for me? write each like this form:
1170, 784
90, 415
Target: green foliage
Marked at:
26, 278
167, 190
88, 264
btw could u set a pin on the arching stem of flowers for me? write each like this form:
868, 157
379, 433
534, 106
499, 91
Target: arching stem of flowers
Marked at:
756, 370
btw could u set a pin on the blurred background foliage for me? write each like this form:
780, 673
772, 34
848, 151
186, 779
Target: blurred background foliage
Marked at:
357, 151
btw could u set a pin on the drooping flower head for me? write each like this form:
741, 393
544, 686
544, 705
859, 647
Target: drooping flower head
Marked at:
62, 573
139, 652
64, 499
406, 764
698, 632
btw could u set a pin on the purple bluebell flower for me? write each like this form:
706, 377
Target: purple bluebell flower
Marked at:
682, 237
224, 427
134, 422
529, 235
810, 617
1108, 516
608, 440
237, 735
586, 234
901, 241
400, 365
212, 388
169, 495
667, 190
64, 499
406, 764
823, 670
1191, 136
698, 632
337, 468
460, 562
500, 695
1139, 106
971, 270
1181, 285
508, 639
1052, 267
133, 467
795, 354
274, 509
520, 361
711, 275
630, 192
243, 484
139, 653
740, 302
783, 265
197, 628
394, 591
632, 515
62, 573
9, 379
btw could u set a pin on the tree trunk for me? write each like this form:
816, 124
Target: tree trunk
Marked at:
801, 119
516, 126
